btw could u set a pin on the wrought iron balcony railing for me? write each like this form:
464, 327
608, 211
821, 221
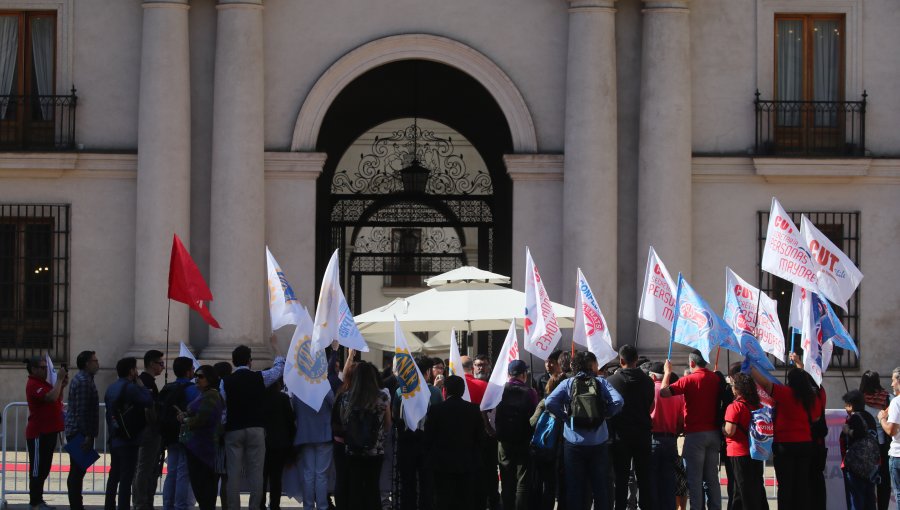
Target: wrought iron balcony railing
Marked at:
29, 122
810, 128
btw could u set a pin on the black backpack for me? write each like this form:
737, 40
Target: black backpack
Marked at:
726, 397
863, 456
172, 395
588, 405
362, 428
129, 419
511, 421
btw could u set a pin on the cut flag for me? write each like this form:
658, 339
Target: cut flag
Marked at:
184, 352
696, 325
822, 331
837, 277
456, 365
413, 389
284, 308
541, 327
499, 375
785, 254
186, 284
591, 330
658, 298
305, 370
334, 321
742, 302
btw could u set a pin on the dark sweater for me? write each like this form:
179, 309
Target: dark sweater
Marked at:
637, 391
245, 395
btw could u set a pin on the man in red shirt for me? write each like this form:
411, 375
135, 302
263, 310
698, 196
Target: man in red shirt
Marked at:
702, 438
45, 422
476, 386
667, 421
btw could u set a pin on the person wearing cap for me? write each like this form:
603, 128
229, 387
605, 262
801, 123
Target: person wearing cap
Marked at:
513, 431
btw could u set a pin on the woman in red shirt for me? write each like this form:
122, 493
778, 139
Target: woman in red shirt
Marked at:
45, 422
796, 407
749, 491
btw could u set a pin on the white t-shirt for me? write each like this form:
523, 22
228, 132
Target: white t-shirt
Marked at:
894, 417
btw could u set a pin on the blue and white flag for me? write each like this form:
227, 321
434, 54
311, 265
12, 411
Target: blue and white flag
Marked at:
284, 308
500, 374
184, 352
591, 330
334, 321
751, 313
811, 340
830, 323
413, 389
696, 325
456, 365
305, 370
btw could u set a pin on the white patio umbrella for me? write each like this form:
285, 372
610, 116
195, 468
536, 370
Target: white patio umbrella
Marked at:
465, 306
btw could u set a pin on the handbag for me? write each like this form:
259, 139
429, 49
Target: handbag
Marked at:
547, 436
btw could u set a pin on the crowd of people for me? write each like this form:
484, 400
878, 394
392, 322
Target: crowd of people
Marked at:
578, 436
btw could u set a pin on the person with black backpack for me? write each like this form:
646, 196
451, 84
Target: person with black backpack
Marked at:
513, 431
125, 399
860, 453
585, 401
173, 399
148, 466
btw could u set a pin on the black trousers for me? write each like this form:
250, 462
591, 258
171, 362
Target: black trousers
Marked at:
513, 460
364, 471
204, 481
451, 491
40, 458
273, 468
792, 465
749, 488
817, 498
122, 465
625, 451
487, 478
75, 484
416, 486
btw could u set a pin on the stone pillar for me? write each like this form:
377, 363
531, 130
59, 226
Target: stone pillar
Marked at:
664, 161
164, 170
237, 223
590, 177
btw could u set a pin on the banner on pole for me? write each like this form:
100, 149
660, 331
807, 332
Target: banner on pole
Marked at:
696, 325
742, 301
837, 277
785, 254
334, 321
542, 332
305, 370
658, 297
456, 364
284, 308
413, 390
591, 330
510, 351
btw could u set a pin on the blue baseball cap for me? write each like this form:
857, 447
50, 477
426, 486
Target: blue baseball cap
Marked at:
517, 367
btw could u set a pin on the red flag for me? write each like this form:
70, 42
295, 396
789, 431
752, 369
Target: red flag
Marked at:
186, 284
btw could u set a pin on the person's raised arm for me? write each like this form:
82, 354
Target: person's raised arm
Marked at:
61, 381
761, 379
664, 390
347, 364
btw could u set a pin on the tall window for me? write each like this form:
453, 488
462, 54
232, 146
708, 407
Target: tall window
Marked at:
841, 228
34, 277
809, 66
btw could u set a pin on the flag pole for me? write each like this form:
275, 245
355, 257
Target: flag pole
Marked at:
168, 313
637, 333
718, 351
669, 356
790, 361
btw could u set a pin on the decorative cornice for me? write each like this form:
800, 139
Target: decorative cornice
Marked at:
156, 4
56, 165
294, 165
534, 167
576, 6
734, 170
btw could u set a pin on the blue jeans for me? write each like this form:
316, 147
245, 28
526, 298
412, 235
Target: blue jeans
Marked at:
315, 459
860, 492
177, 493
586, 466
894, 465
701, 461
663, 454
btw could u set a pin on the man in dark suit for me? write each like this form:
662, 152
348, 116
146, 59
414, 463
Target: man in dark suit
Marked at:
454, 433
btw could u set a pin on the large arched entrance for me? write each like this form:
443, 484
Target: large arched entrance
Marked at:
414, 182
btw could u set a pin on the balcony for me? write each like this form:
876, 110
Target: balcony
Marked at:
37, 123
810, 128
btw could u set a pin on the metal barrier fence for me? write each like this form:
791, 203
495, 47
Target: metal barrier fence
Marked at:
14, 478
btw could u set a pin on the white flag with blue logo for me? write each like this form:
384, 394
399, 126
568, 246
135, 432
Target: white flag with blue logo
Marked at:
306, 371
184, 352
413, 389
658, 298
284, 308
837, 277
750, 312
811, 340
785, 255
500, 375
456, 364
542, 332
591, 330
334, 321
696, 325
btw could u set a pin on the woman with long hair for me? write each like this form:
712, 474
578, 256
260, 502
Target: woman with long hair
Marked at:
877, 400
749, 491
365, 416
341, 482
796, 407
547, 486
201, 430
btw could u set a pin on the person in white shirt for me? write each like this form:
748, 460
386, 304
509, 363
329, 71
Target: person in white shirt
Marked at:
890, 422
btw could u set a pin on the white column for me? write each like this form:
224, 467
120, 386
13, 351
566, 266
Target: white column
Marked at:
237, 223
664, 181
590, 179
164, 166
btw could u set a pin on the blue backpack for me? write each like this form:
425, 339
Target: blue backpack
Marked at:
762, 429
547, 436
